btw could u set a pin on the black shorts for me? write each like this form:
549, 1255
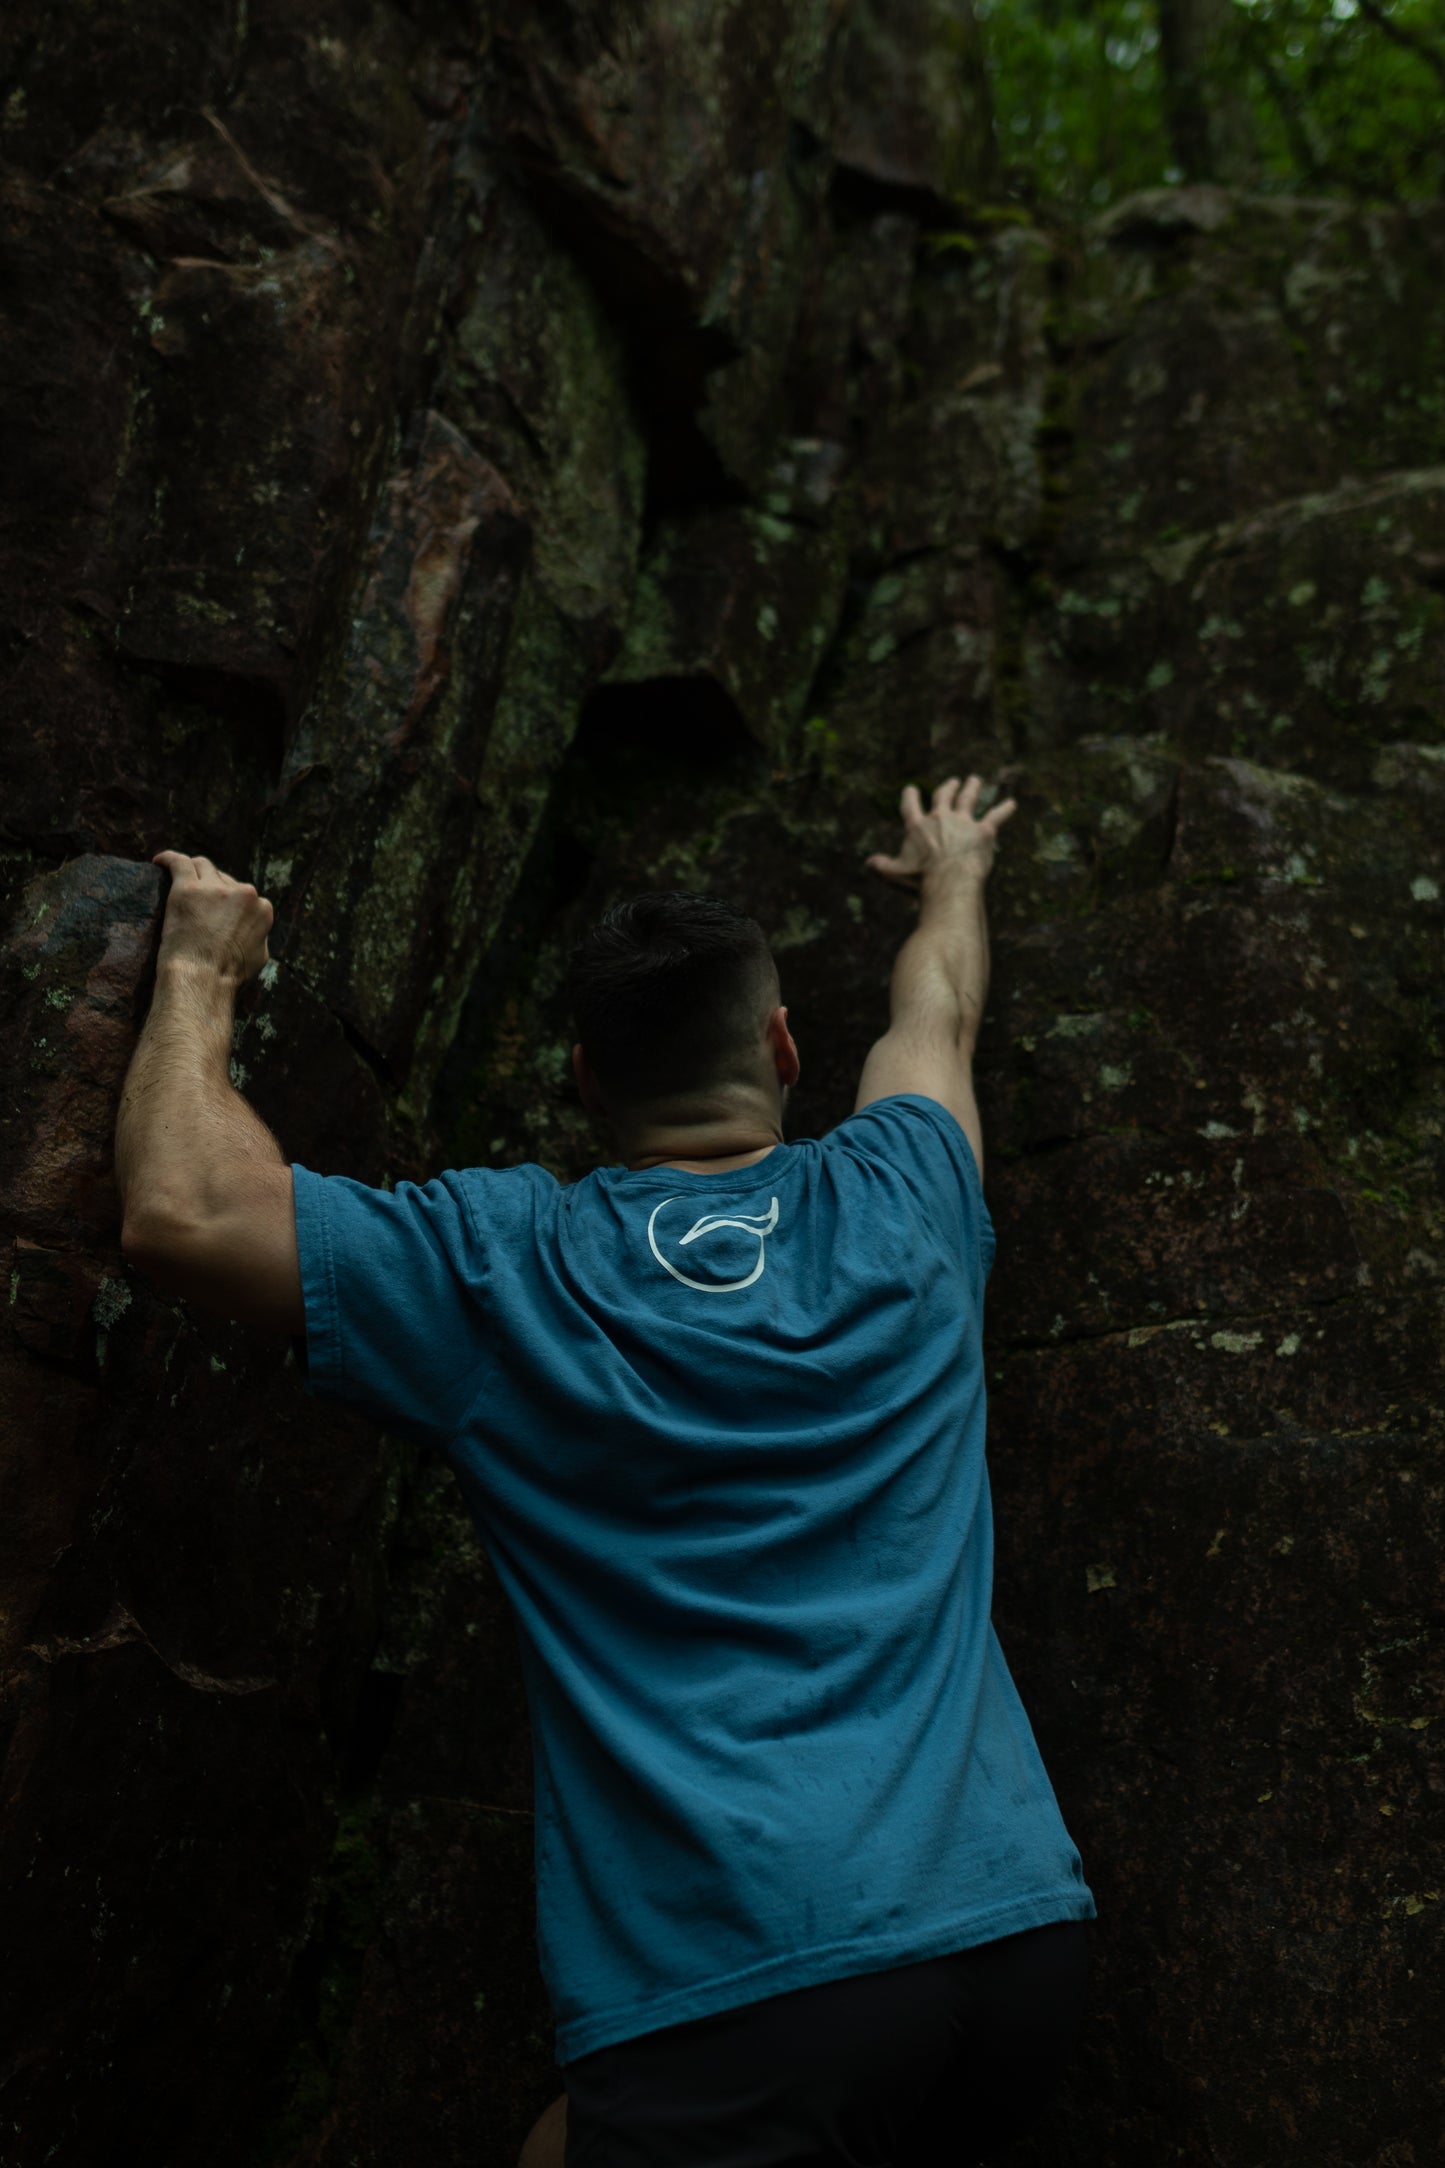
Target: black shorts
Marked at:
941, 2063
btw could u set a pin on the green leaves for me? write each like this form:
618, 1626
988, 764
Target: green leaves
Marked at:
1343, 97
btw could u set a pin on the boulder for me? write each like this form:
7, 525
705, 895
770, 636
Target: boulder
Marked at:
457, 474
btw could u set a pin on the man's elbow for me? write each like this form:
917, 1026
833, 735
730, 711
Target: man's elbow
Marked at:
159, 1241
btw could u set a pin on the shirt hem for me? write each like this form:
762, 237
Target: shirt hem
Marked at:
325, 1371
810, 1968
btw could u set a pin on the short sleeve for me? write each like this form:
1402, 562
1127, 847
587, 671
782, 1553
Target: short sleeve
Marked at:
392, 1283
929, 1148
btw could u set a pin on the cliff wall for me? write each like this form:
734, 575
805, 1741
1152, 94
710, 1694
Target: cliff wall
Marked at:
460, 466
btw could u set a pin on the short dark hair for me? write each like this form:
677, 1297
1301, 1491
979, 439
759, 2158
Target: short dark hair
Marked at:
669, 992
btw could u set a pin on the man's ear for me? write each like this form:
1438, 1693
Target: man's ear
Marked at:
587, 1084
785, 1050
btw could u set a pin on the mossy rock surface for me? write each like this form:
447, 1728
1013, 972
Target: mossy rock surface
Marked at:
463, 474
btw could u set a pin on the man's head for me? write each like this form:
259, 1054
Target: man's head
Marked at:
675, 1002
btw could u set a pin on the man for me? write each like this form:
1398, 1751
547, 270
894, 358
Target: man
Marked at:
804, 1893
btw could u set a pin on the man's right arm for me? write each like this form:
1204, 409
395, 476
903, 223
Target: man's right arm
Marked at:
940, 978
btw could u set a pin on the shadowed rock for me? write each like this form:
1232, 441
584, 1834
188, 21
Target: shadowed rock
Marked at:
458, 480
76, 970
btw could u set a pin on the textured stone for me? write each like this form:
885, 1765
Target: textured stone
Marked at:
534, 381
1241, 551
207, 328
1226, 368
914, 110
960, 457
431, 458
372, 851
75, 967
666, 128
912, 684
666, 139
183, 1563
197, 597
93, 750
746, 598
1310, 631
1226, 1663
847, 364
451, 2011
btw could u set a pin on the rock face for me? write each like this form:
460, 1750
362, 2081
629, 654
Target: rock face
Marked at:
457, 471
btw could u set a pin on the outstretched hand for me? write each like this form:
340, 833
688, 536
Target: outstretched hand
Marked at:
213, 920
947, 835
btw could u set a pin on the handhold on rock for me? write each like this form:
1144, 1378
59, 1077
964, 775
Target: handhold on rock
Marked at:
73, 972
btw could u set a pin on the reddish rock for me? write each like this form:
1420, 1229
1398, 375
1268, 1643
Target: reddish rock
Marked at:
75, 966
350, 369
167, 1606
373, 852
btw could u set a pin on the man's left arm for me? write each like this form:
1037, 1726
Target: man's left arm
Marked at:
207, 1196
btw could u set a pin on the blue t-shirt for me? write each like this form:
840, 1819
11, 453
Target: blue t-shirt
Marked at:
723, 1438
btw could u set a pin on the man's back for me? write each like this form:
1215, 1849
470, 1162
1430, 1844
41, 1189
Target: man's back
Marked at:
723, 1435
719, 1413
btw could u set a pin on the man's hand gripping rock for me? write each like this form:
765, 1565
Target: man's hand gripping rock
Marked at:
946, 836
212, 921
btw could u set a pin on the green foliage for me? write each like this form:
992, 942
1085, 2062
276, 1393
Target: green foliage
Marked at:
824, 753
1336, 96
1077, 96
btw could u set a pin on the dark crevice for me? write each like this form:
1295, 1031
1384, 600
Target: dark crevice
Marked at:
50, 849
557, 871
323, 1988
252, 706
806, 147
1019, 561
378, 1705
683, 723
1429, 569
668, 355
1141, 1133
573, 863
684, 472
1053, 1144
324, 1985
376, 1063
649, 740
859, 195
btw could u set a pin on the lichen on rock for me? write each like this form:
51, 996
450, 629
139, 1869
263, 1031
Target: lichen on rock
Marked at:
462, 473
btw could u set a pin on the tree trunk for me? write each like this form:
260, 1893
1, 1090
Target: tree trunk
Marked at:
1210, 131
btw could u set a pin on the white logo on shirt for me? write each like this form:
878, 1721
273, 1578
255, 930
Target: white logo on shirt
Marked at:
760, 1224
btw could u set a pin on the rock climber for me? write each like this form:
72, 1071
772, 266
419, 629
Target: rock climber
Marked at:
805, 1896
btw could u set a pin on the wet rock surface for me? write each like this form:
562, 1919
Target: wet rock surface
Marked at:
456, 474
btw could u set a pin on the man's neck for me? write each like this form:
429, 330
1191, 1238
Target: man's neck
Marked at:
711, 1143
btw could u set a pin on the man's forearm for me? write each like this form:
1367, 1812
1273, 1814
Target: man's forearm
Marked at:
184, 1135
941, 974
